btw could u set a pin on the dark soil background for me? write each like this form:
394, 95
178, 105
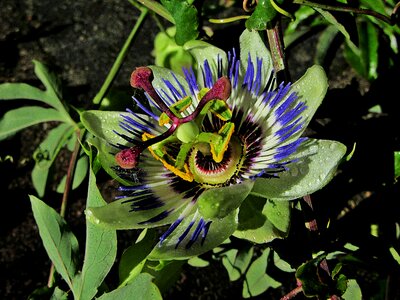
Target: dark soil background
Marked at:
80, 39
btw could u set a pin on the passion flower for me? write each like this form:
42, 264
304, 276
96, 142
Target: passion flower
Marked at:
206, 143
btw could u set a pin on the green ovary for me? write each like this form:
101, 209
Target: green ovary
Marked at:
187, 132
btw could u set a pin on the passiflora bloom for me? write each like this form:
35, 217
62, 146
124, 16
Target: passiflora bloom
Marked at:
208, 147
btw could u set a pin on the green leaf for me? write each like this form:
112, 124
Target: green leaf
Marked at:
316, 166
311, 282
46, 153
262, 15
353, 291
281, 264
332, 19
219, 231
219, 202
49, 80
79, 175
60, 243
369, 49
20, 118
168, 54
133, 259
100, 252
197, 262
254, 224
252, 44
185, 16
257, 281
140, 288
17, 91
236, 261
167, 275
396, 155
325, 41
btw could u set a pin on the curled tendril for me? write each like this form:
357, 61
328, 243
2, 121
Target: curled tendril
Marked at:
281, 10
249, 5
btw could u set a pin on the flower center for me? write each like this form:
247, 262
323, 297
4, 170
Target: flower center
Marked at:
210, 173
210, 158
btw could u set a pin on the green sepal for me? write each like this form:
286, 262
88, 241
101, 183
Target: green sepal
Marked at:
317, 161
202, 52
252, 45
103, 123
219, 231
219, 202
310, 89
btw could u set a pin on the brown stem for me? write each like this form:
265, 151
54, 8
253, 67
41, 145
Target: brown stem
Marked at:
277, 47
67, 189
355, 10
292, 293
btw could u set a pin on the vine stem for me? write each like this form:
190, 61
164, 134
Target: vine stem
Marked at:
277, 48
355, 10
120, 58
67, 189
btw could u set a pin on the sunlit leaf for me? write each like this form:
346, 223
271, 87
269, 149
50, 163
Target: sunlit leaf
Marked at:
20, 118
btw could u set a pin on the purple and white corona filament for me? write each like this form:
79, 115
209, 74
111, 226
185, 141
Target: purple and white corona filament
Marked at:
219, 129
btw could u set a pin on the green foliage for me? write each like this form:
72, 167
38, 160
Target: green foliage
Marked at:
185, 17
60, 243
141, 287
257, 281
366, 36
170, 55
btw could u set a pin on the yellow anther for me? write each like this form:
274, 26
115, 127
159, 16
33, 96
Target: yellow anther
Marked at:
218, 150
